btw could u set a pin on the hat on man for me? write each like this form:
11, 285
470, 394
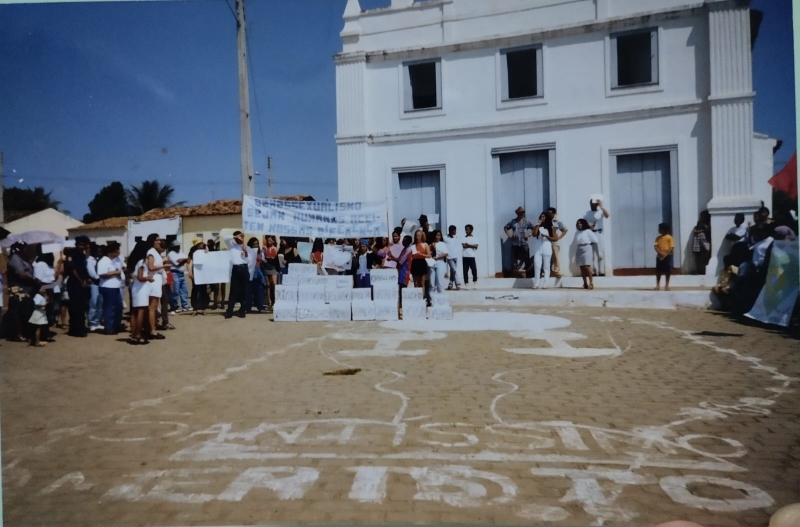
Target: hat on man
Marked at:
520, 209
197, 241
423, 219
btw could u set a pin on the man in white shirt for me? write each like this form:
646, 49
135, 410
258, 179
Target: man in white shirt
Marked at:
454, 248
595, 216
112, 278
468, 256
240, 273
737, 233
95, 300
179, 299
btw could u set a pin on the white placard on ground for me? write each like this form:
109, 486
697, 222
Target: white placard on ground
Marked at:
379, 276
413, 293
290, 279
414, 310
332, 280
340, 311
363, 310
386, 310
338, 294
302, 269
311, 293
313, 312
386, 292
441, 313
286, 293
345, 281
362, 294
312, 280
284, 312
440, 299
211, 268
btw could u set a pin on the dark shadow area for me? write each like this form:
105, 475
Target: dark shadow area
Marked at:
792, 332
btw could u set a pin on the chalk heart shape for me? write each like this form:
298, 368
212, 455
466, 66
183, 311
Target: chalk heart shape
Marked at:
483, 321
679, 524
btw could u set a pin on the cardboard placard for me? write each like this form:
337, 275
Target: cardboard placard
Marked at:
440, 299
363, 310
290, 279
304, 251
378, 276
338, 294
441, 313
284, 312
414, 310
386, 293
302, 269
386, 311
344, 281
413, 293
332, 280
340, 311
211, 267
311, 293
286, 293
313, 312
363, 294
312, 280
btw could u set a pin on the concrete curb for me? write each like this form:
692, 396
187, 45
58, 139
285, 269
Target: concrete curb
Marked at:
582, 298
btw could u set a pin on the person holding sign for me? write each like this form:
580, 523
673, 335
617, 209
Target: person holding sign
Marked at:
240, 273
362, 263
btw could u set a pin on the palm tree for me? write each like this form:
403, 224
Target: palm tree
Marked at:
29, 200
151, 195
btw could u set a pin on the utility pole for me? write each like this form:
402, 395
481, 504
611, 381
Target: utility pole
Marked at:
2, 191
248, 183
269, 177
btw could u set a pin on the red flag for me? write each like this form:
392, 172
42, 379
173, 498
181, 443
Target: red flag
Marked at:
786, 179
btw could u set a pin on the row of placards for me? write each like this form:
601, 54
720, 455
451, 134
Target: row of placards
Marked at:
358, 311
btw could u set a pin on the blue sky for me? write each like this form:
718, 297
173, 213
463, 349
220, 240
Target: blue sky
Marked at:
128, 91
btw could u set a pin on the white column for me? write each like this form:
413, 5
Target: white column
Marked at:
350, 120
731, 103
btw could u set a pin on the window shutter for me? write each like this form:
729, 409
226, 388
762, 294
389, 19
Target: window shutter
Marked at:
408, 98
439, 103
612, 66
654, 56
539, 72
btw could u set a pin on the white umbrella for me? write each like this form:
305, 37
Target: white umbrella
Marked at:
32, 237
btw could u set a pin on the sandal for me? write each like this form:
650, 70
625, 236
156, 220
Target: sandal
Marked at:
157, 336
39, 345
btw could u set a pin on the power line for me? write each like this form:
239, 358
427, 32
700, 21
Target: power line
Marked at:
230, 8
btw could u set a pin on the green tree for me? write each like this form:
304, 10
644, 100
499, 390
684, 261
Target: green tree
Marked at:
151, 195
110, 202
17, 199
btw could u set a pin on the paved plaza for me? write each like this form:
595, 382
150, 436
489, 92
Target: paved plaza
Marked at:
583, 416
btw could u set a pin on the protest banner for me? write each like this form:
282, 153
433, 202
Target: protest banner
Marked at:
315, 219
211, 267
779, 295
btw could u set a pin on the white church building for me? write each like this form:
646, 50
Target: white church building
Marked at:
464, 110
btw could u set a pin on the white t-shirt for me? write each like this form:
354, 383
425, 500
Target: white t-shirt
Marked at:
174, 256
585, 237
468, 253
740, 232
158, 261
107, 265
453, 247
44, 273
596, 217
441, 248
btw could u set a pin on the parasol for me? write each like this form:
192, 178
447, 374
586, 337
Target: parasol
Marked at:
32, 237
786, 179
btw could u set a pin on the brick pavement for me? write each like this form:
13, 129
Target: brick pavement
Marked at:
595, 416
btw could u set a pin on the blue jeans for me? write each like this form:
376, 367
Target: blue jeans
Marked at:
255, 295
95, 306
112, 309
179, 291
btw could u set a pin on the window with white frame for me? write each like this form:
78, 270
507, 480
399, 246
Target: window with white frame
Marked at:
422, 85
634, 58
521, 73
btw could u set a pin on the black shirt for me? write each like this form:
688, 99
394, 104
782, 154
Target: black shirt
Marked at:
76, 262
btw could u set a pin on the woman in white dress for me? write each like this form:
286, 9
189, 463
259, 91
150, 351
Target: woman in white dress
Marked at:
543, 237
437, 272
585, 242
157, 269
140, 291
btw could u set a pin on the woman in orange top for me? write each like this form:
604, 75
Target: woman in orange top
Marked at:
419, 267
270, 267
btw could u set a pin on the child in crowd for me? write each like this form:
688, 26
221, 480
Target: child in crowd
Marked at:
664, 246
729, 273
468, 256
453, 245
38, 319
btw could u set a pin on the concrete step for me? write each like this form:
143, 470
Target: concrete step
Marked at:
600, 282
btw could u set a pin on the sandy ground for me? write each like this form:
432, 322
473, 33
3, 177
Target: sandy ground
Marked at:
574, 417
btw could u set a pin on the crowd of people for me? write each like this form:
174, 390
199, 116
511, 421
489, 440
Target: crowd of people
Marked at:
746, 264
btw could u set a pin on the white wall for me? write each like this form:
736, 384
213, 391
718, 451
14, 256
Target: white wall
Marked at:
582, 169
763, 167
103, 236
49, 220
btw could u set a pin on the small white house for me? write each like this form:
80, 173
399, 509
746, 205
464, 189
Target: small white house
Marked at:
50, 220
104, 231
467, 109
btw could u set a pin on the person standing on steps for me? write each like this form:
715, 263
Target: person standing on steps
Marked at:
560, 230
240, 273
595, 216
518, 231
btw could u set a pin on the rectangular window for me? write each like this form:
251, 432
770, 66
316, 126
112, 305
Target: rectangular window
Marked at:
634, 59
521, 75
422, 85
